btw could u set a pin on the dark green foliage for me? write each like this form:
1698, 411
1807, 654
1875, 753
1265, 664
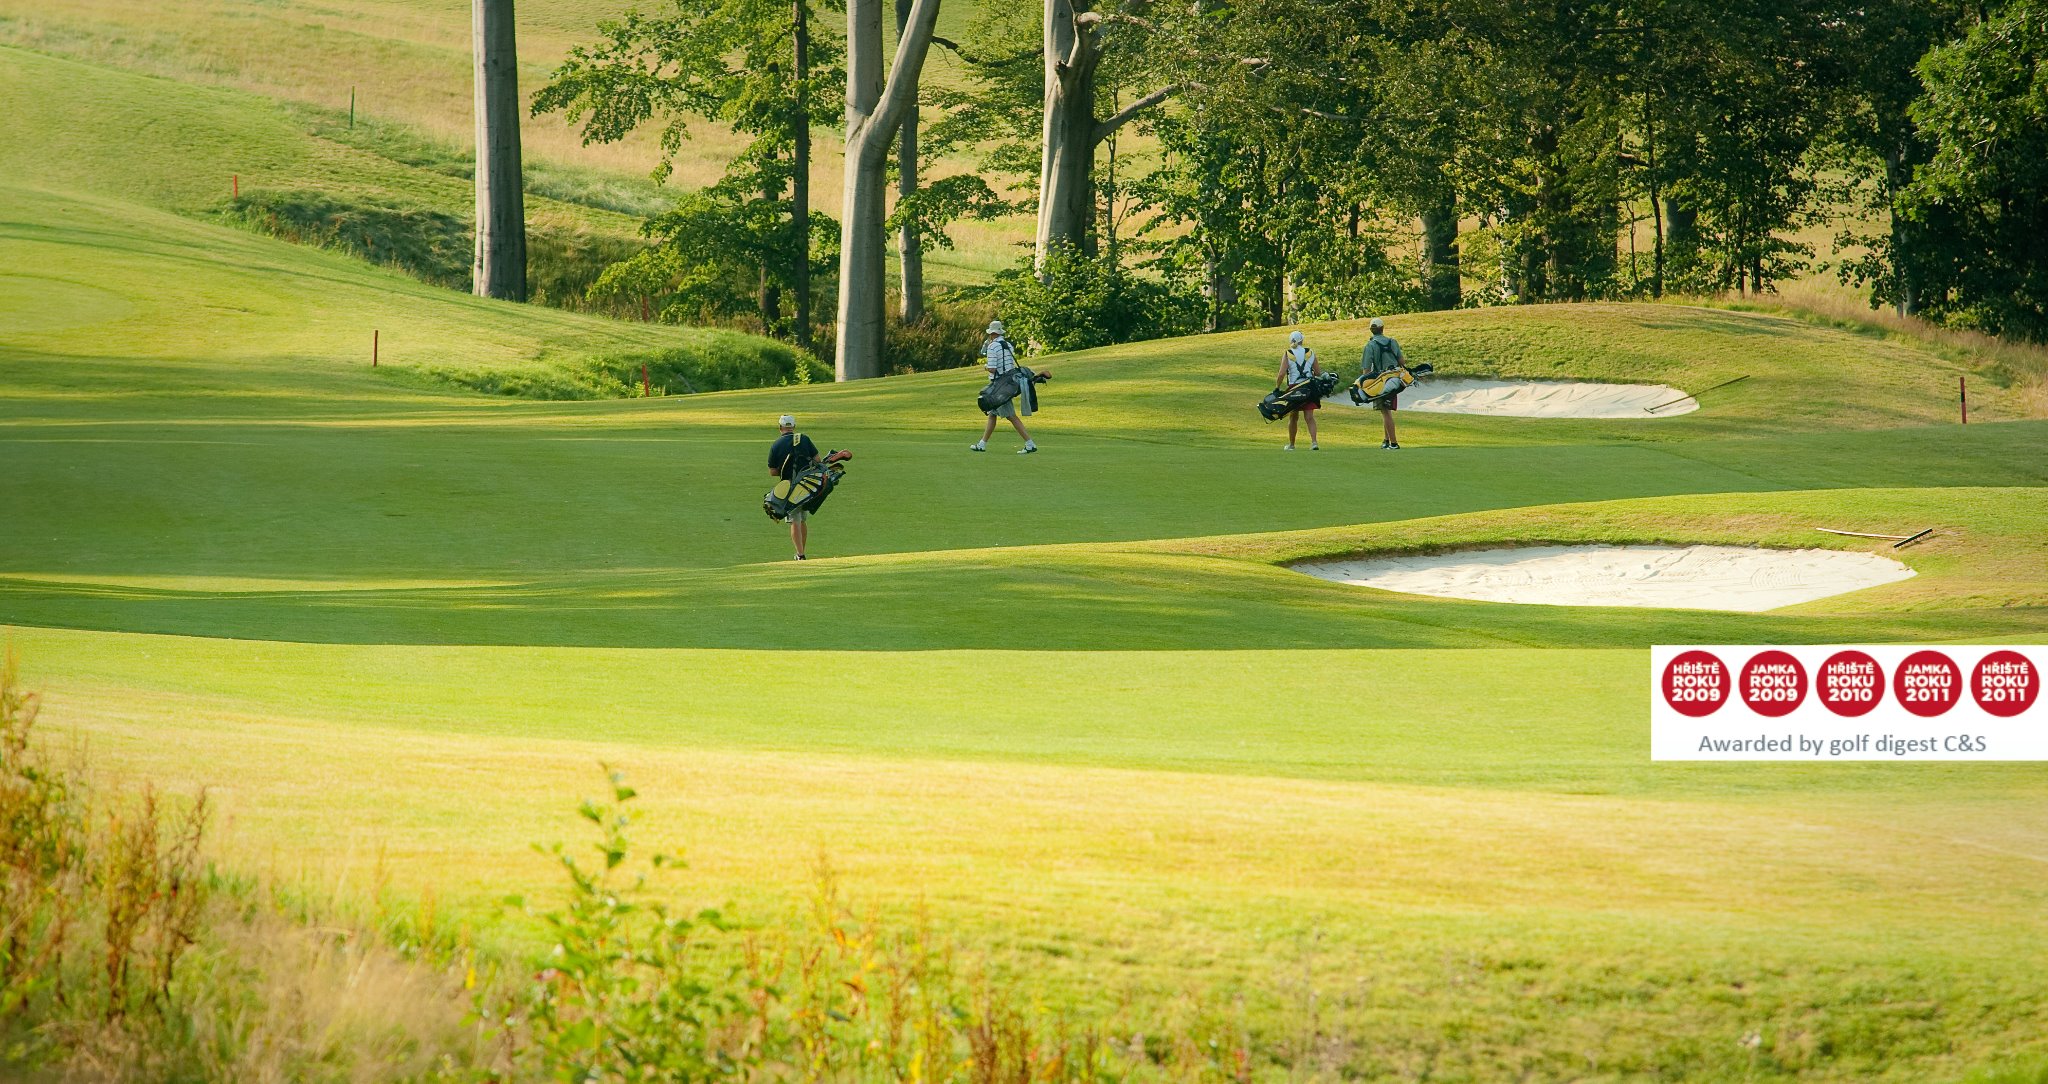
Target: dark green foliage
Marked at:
947, 337
435, 246
755, 67
1076, 302
424, 242
719, 361
1980, 204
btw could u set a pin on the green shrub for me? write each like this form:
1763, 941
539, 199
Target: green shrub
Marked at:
1078, 302
716, 361
563, 261
632, 990
947, 337
426, 243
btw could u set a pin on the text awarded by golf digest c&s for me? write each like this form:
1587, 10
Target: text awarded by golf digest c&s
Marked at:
1847, 702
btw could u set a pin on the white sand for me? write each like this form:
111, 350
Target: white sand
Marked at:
1735, 578
1539, 398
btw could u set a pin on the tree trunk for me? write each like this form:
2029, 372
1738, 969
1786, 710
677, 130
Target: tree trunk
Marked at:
800, 179
1896, 175
909, 250
1440, 275
874, 111
1066, 196
1656, 202
500, 269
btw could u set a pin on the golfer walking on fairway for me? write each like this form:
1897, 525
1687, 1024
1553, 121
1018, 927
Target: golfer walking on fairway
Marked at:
1382, 353
1297, 364
791, 454
999, 357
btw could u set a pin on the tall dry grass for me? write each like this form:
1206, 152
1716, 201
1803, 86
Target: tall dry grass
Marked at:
2022, 366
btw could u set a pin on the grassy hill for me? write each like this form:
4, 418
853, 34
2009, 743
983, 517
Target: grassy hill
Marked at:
285, 69
1066, 704
1070, 706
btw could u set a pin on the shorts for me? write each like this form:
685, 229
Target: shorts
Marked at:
1389, 402
1007, 410
797, 515
1308, 408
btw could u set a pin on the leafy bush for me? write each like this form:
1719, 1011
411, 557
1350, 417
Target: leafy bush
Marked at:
563, 261
718, 361
948, 337
1078, 302
632, 990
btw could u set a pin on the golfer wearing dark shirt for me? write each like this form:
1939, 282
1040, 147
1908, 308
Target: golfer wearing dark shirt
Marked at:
1381, 354
793, 452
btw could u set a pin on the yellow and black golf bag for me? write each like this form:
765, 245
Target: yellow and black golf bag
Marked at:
1370, 388
807, 489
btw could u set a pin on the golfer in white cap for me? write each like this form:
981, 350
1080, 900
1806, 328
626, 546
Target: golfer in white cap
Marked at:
1297, 364
792, 453
999, 356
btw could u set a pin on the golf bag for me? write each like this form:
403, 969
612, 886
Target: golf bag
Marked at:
806, 490
1370, 388
1010, 385
1282, 402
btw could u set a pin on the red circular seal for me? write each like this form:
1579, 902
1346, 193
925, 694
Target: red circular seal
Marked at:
1927, 683
1696, 683
1773, 683
2005, 683
1849, 684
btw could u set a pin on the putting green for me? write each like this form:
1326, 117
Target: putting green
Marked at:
1070, 704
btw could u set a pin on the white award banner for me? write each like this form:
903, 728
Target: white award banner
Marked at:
1847, 702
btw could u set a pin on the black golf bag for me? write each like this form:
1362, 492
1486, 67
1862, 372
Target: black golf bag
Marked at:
807, 489
1010, 385
1280, 403
1370, 388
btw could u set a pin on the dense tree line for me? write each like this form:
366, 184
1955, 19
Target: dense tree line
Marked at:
1227, 163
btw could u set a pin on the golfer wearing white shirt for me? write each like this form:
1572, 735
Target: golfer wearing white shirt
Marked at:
999, 357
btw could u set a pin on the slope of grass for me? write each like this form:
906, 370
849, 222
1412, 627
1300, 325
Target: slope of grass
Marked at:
409, 65
1066, 705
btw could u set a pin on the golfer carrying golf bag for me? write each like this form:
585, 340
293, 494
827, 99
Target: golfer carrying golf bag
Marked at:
1298, 364
999, 357
790, 459
1382, 354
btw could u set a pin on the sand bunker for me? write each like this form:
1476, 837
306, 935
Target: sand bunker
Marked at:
1540, 398
1675, 577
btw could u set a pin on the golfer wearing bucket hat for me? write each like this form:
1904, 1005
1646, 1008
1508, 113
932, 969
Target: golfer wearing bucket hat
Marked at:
999, 357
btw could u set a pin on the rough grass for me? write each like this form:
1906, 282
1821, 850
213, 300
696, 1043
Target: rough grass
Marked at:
1067, 705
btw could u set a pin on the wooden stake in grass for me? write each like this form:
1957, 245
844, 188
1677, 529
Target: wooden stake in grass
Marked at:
646, 385
235, 184
1963, 397
373, 348
351, 109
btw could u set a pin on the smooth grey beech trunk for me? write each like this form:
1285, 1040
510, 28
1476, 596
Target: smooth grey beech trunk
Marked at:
500, 269
874, 112
909, 250
1072, 131
1066, 167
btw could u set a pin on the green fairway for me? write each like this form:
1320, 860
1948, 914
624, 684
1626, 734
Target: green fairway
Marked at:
1073, 706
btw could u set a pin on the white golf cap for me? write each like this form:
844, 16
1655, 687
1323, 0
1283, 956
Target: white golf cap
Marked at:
995, 327
786, 422
1377, 322
1295, 338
